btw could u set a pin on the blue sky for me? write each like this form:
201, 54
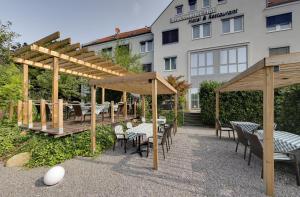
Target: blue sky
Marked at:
82, 20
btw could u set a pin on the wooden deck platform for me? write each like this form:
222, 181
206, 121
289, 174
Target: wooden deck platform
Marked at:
72, 127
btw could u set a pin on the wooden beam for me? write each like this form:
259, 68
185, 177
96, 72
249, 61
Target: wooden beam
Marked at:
20, 105
143, 107
43, 115
55, 80
125, 105
112, 112
103, 96
217, 110
72, 53
71, 59
30, 122
42, 41
25, 94
48, 67
60, 116
93, 119
277, 60
155, 126
134, 109
268, 160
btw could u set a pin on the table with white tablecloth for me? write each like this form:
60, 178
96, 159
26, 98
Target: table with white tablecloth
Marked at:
283, 141
249, 127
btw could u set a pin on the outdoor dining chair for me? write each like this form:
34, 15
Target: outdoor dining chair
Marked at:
256, 148
79, 112
220, 128
161, 141
122, 136
242, 138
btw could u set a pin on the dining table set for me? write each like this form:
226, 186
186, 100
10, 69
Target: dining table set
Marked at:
283, 141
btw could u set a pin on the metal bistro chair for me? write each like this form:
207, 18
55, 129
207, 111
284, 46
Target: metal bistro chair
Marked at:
161, 141
242, 138
256, 148
79, 113
122, 136
220, 129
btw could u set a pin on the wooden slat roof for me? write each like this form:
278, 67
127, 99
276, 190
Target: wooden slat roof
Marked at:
253, 78
136, 83
72, 58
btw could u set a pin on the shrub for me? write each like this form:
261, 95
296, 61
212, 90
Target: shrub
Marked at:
49, 151
248, 106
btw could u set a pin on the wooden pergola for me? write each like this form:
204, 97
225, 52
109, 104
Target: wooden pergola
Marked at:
266, 75
143, 84
60, 56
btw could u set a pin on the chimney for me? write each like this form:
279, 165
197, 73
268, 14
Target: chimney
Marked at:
117, 30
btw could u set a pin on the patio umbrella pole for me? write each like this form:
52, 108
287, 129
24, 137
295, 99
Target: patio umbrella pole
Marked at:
154, 119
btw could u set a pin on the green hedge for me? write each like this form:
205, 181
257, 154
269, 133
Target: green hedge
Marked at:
248, 106
49, 151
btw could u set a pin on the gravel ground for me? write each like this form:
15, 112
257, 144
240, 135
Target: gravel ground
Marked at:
198, 164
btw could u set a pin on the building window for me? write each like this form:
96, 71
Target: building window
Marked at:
202, 63
279, 51
202, 31
193, 5
195, 98
233, 60
231, 25
147, 67
206, 3
221, 1
169, 37
179, 9
146, 46
279, 22
170, 63
107, 51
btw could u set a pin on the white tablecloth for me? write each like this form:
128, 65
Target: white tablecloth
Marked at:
144, 128
283, 141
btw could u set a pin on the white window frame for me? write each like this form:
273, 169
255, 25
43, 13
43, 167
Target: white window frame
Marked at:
237, 63
231, 25
176, 8
195, 92
170, 64
146, 46
201, 31
206, 68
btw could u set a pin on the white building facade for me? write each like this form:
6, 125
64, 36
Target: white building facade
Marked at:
139, 42
217, 39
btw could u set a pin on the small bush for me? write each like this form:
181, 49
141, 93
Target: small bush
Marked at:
49, 151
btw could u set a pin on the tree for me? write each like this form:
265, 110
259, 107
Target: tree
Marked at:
6, 43
124, 57
182, 86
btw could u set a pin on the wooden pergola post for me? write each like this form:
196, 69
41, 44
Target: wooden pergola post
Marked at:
103, 96
154, 119
112, 111
217, 109
134, 109
143, 107
55, 93
93, 119
30, 122
43, 115
268, 160
176, 111
20, 105
60, 116
125, 105
25, 94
